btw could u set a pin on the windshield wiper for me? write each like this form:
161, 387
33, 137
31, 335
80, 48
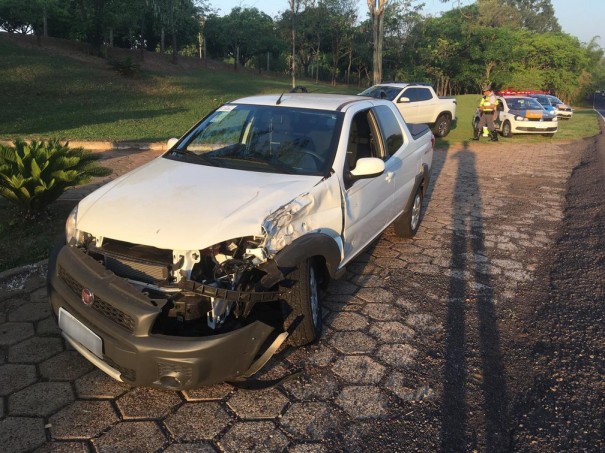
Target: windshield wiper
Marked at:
202, 157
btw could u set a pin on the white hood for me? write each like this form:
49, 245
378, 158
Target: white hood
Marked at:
182, 206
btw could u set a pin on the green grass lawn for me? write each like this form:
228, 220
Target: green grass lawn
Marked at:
49, 96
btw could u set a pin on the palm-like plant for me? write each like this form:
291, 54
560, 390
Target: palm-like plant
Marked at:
34, 175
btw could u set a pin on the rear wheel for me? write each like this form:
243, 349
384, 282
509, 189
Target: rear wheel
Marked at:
302, 299
406, 225
506, 129
442, 125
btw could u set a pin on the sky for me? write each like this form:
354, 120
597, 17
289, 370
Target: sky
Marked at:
581, 18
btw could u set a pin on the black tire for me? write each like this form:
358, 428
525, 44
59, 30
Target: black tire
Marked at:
442, 125
406, 225
506, 129
302, 299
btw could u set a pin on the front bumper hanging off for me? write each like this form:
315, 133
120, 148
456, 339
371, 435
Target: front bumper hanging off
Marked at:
122, 318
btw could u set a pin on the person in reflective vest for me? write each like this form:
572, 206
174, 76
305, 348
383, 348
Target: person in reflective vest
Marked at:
487, 112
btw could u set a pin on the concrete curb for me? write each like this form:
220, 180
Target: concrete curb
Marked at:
12, 281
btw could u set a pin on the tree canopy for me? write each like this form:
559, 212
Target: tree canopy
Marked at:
515, 44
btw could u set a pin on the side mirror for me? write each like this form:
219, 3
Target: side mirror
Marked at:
403, 99
171, 142
367, 167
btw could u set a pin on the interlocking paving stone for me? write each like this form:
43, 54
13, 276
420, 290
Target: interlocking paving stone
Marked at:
48, 327
309, 421
258, 404
253, 437
66, 366
382, 312
21, 434
308, 448
313, 385
144, 402
197, 421
63, 447
397, 355
35, 350
202, 447
352, 342
213, 392
391, 332
42, 398
30, 312
15, 377
314, 355
97, 384
363, 401
131, 436
14, 332
39, 295
347, 321
358, 370
82, 420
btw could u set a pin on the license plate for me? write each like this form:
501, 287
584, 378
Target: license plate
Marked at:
79, 332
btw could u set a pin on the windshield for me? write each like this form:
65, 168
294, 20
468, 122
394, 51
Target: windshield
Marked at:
382, 92
524, 104
264, 138
543, 100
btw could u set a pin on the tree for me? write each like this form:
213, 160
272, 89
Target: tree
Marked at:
376, 8
294, 10
536, 15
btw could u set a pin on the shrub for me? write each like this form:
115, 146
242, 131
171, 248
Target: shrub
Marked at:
34, 175
125, 66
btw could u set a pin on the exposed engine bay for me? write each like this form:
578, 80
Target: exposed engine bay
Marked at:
200, 293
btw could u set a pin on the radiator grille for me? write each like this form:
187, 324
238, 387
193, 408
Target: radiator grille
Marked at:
136, 270
106, 309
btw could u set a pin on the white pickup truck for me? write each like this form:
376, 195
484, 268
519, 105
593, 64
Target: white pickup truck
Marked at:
418, 103
194, 268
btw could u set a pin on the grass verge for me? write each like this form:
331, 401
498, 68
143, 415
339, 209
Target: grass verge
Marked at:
24, 241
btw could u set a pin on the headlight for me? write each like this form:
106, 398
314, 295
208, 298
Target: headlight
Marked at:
71, 230
520, 118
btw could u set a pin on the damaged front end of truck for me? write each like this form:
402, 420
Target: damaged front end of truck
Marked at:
181, 318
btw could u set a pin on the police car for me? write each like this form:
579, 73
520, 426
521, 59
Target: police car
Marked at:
522, 115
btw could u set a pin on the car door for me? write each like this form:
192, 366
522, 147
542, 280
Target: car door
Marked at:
420, 101
368, 203
402, 159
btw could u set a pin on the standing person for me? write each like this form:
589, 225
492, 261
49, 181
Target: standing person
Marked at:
487, 109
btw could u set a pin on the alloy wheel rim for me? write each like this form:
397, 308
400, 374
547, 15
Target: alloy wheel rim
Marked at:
313, 296
416, 212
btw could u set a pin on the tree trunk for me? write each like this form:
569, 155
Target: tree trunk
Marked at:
45, 22
162, 40
376, 8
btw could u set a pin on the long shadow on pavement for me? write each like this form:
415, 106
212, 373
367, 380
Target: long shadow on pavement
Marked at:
471, 324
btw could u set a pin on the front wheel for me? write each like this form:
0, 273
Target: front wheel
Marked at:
442, 125
406, 225
302, 299
506, 129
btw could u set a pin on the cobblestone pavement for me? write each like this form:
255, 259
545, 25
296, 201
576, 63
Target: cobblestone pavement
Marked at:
491, 209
